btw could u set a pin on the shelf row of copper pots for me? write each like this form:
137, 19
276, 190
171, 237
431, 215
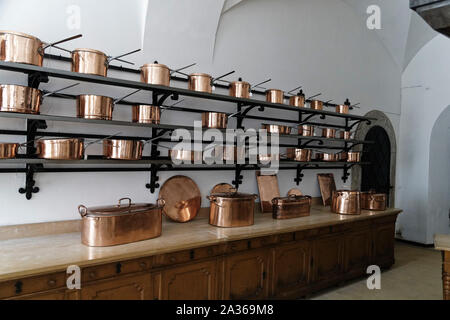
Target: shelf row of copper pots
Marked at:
308, 131
305, 155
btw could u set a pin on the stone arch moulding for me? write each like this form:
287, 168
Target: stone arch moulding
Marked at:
361, 132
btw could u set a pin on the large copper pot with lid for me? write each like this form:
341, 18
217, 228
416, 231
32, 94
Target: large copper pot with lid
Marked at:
155, 73
240, 89
20, 99
90, 106
346, 202
231, 209
122, 149
275, 96
60, 149
122, 223
293, 206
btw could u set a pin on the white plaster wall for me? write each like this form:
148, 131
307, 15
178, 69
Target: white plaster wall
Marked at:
321, 44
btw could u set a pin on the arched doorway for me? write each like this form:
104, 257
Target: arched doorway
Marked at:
376, 175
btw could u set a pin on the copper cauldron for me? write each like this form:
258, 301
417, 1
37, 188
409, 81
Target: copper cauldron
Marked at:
373, 201
214, 120
329, 133
232, 209
302, 155
91, 106
20, 99
8, 150
155, 73
275, 96
306, 130
122, 149
293, 206
123, 223
240, 89
60, 149
346, 202
144, 113
316, 104
274, 128
200, 82
342, 156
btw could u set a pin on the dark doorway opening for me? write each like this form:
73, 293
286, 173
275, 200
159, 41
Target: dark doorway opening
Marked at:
377, 174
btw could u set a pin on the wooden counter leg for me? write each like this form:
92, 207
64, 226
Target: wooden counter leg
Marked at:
446, 274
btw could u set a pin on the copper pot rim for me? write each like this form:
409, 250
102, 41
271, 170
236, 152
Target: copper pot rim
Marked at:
22, 34
154, 65
232, 196
89, 50
199, 74
356, 192
123, 140
4, 85
240, 82
94, 95
59, 140
9, 143
274, 90
290, 198
145, 106
119, 209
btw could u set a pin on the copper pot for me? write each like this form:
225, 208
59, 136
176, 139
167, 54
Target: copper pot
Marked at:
373, 201
297, 101
200, 82
325, 156
60, 149
20, 99
186, 155
21, 48
346, 202
268, 157
231, 209
342, 156
91, 106
346, 135
8, 150
113, 225
144, 113
90, 61
302, 155
214, 120
306, 130
290, 207
316, 104
354, 157
343, 108
123, 149
328, 133
155, 73
274, 128
240, 89
275, 96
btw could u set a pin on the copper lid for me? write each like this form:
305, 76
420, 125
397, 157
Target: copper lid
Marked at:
222, 188
90, 50
200, 75
292, 198
234, 196
118, 209
155, 65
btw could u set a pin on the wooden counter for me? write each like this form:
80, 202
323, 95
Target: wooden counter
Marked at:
442, 243
271, 259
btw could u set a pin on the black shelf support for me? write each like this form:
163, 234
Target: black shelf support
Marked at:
238, 177
346, 171
350, 127
154, 178
299, 175
29, 181
36, 78
158, 99
154, 154
305, 121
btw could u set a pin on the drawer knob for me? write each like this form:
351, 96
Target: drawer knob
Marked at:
118, 268
173, 259
210, 251
18, 285
143, 265
92, 274
51, 283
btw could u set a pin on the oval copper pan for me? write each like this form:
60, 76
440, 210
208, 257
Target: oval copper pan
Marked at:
182, 197
222, 188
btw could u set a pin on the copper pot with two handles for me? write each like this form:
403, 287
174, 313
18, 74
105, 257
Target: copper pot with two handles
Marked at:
60, 149
231, 209
296, 154
373, 201
292, 206
346, 202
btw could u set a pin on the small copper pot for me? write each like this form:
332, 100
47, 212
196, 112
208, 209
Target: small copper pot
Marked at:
91, 106
328, 133
306, 130
20, 99
325, 156
21, 48
90, 61
60, 149
354, 157
123, 149
343, 108
8, 150
346, 202
231, 209
274, 128
302, 155
316, 104
200, 82
144, 113
240, 89
297, 101
373, 201
155, 73
275, 96
186, 155
346, 135
214, 120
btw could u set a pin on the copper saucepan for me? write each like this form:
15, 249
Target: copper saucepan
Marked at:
123, 149
186, 155
306, 130
23, 48
343, 108
143, 113
21, 99
346, 135
203, 82
214, 120
155, 73
327, 157
296, 154
240, 89
229, 153
316, 104
297, 100
274, 128
275, 96
8, 150
268, 157
329, 133
60, 149
353, 156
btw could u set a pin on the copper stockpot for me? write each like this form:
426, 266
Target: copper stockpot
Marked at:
373, 201
353, 156
200, 82
316, 104
214, 120
275, 96
302, 155
60, 149
186, 155
343, 108
297, 101
290, 207
346, 135
123, 149
232, 209
144, 113
346, 202
21, 48
90, 61
91, 106
120, 224
328, 133
306, 130
274, 128
240, 89
21, 99
8, 150
155, 73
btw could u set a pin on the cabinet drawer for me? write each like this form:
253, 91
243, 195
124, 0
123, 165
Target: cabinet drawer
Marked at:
32, 284
110, 270
241, 245
188, 255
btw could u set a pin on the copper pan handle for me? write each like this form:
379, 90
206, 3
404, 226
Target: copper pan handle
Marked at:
82, 210
121, 199
41, 50
161, 202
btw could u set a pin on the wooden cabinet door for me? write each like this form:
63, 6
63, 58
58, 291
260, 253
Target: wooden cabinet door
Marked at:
383, 245
357, 250
327, 258
49, 295
246, 275
136, 287
290, 269
196, 281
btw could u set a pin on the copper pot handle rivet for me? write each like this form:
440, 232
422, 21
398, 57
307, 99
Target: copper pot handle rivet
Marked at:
82, 210
129, 201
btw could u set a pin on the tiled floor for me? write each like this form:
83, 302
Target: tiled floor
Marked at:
416, 274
